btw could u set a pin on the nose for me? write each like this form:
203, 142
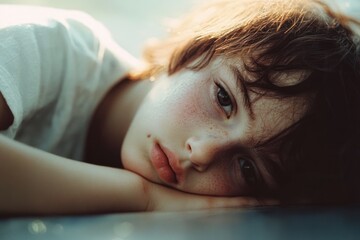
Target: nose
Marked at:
204, 151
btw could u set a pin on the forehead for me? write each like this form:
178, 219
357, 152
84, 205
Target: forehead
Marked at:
273, 115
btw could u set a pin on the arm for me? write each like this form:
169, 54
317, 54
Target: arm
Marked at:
36, 182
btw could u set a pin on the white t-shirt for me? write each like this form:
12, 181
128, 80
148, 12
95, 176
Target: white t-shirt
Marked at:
55, 67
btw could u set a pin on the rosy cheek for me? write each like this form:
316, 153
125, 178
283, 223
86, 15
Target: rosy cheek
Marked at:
192, 107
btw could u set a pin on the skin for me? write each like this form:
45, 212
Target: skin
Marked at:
183, 114
208, 137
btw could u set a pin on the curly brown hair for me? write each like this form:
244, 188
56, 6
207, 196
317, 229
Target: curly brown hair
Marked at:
320, 153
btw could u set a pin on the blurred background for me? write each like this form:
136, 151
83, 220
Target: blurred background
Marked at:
132, 22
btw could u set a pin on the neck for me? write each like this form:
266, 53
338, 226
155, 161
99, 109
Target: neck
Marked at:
111, 121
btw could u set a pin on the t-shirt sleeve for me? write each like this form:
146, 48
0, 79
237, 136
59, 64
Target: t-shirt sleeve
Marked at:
20, 73
41, 47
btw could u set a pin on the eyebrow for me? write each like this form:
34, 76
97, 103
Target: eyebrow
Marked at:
242, 88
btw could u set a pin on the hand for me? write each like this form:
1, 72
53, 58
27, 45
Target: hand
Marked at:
161, 198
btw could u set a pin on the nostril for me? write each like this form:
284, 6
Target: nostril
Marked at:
188, 147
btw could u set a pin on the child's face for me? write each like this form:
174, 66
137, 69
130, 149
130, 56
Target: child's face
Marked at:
194, 133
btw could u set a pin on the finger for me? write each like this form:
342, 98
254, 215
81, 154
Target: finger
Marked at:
231, 202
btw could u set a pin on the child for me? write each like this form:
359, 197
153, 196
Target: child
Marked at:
247, 100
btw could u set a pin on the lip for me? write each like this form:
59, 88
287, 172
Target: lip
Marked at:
174, 164
161, 163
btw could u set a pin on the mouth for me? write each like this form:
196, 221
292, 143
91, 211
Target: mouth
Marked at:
161, 163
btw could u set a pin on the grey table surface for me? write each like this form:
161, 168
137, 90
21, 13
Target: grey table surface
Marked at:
270, 223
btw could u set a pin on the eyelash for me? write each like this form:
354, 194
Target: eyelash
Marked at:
249, 172
220, 89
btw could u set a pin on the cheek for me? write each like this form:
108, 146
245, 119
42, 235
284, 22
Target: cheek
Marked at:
216, 187
134, 161
187, 109
215, 183
191, 106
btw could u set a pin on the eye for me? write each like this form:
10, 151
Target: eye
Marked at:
224, 100
248, 172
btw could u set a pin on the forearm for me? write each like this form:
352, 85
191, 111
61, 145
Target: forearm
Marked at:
35, 182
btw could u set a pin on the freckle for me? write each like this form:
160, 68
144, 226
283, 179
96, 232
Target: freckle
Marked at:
148, 136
